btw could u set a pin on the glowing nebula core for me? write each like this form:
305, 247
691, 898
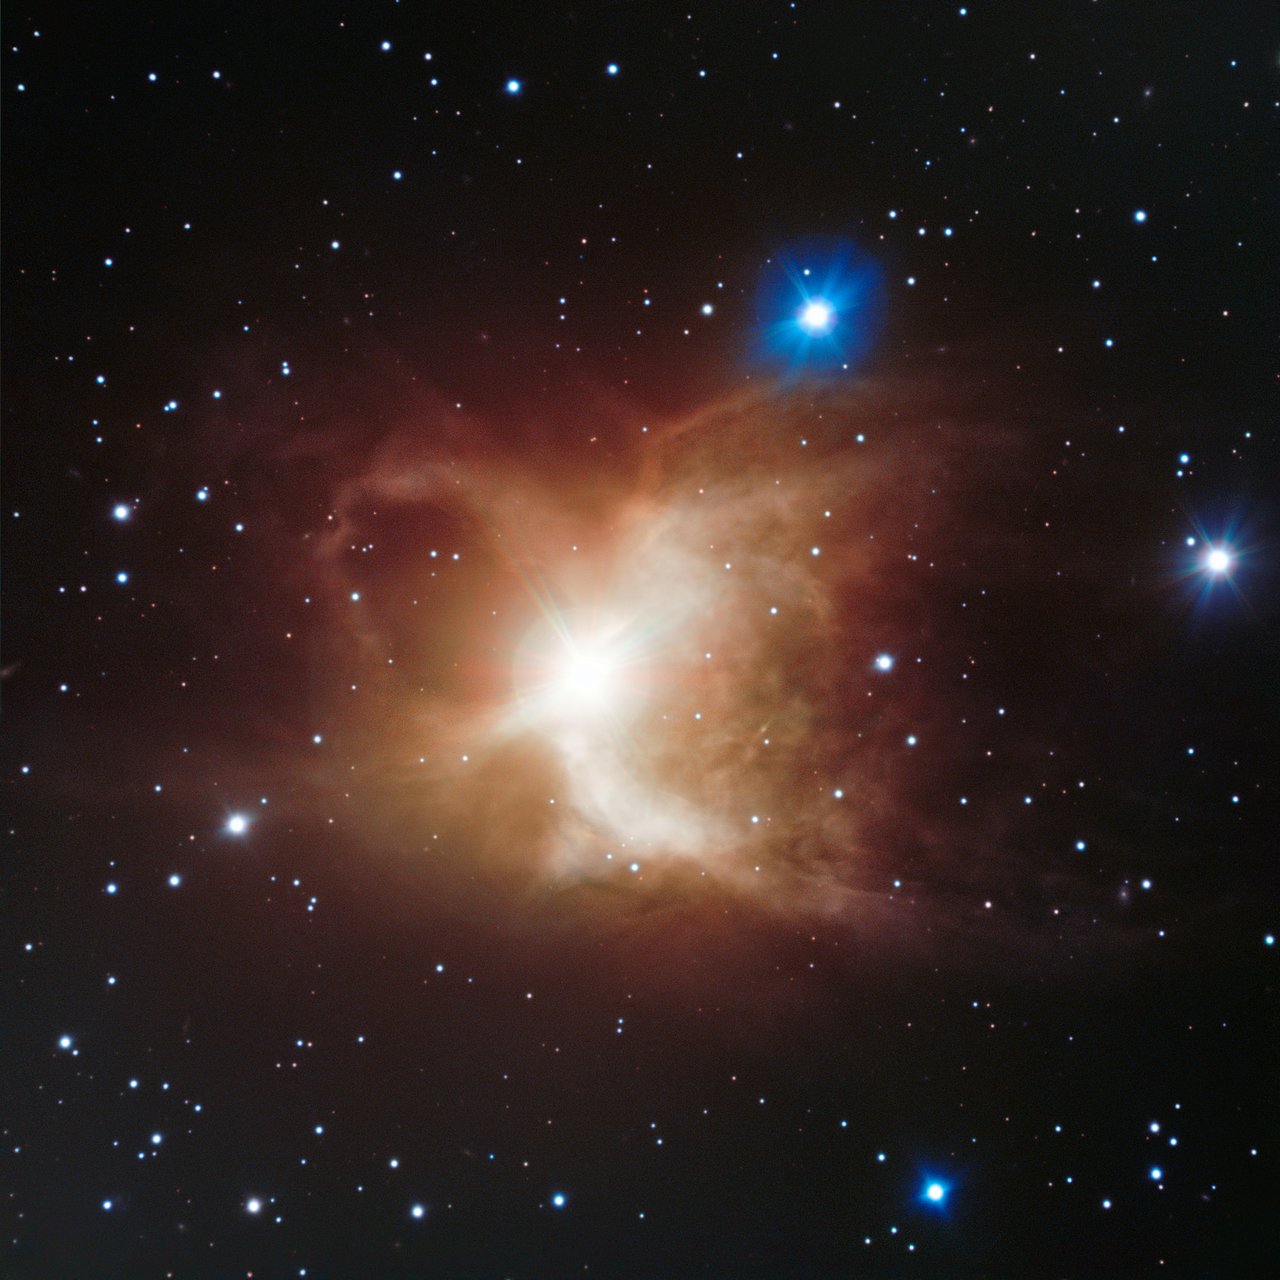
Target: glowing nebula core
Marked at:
572, 670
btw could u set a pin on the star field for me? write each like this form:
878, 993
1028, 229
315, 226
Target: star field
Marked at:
639, 641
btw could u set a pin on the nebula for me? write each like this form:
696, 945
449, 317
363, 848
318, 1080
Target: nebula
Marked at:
677, 668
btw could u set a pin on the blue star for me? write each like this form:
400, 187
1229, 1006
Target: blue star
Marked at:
817, 316
818, 305
1218, 561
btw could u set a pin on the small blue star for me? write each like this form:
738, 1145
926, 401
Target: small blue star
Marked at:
935, 1192
817, 316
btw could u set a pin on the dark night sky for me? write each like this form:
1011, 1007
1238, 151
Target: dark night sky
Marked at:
639, 642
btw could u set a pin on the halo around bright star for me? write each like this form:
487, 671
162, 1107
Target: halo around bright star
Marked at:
818, 303
572, 669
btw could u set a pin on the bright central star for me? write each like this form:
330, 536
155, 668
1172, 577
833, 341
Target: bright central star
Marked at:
1218, 560
816, 316
586, 678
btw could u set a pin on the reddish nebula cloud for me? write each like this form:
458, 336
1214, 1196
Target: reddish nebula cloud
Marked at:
690, 672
